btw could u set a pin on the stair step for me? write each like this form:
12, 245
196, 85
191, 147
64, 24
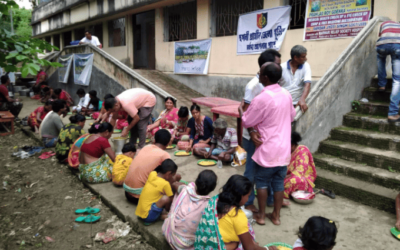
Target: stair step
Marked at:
377, 158
374, 83
372, 94
367, 138
360, 191
358, 171
373, 108
369, 122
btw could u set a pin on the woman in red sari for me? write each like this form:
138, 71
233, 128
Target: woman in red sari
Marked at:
63, 95
167, 119
37, 116
301, 173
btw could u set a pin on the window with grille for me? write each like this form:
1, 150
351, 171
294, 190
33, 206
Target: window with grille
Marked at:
180, 22
116, 32
225, 14
97, 30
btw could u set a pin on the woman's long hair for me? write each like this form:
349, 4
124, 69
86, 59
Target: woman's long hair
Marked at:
232, 192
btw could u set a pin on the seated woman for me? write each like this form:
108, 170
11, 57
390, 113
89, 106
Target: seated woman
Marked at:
93, 105
166, 120
68, 135
41, 82
96, 155
37, 116
223, 224
47, 95
63, 95
100, 116
182, 131
223, 143
52, 124
188, 205
317, 233
301, 172
201, 129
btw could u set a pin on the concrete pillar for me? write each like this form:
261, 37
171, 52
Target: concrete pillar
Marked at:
274, 3
72, 35
159, 30
52, 41
203, 19
61, 41
105, 34
129, 38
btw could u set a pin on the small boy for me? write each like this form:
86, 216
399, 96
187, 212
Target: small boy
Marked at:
157, 192
122, 163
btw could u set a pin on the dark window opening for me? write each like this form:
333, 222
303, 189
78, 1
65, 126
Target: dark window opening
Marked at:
180, 22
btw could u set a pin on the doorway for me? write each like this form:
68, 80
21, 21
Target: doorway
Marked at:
144, 40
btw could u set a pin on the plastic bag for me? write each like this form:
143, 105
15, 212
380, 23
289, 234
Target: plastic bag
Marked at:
239, 158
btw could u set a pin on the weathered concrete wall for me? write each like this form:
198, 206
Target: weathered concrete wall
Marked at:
109, 76
344, 82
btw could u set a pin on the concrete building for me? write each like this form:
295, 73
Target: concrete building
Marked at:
141, 34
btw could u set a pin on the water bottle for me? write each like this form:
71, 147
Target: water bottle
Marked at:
219, 164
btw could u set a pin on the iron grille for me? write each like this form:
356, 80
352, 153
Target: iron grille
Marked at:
116, 32
298, 14
181, 21
226, 14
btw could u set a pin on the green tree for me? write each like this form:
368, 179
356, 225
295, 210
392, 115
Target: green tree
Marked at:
19, 52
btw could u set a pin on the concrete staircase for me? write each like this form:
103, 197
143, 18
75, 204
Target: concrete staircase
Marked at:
361, 159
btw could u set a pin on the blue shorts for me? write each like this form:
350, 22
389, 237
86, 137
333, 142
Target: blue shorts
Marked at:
274, 177
154, 213
218, 151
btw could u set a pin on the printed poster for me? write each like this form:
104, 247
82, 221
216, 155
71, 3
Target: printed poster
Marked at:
328, 19
63, 72
83, 64
192, 57
262, 29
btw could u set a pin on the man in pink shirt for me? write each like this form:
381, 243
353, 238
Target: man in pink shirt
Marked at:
270, 114
139, 104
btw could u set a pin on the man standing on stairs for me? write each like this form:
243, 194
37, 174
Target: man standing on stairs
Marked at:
89, 38
253, 139
296, 76
389, 44
270, 114
138, 103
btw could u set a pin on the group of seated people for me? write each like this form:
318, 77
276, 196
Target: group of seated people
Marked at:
150, 179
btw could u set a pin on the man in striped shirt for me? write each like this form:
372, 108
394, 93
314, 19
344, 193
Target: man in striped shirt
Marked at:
389, 44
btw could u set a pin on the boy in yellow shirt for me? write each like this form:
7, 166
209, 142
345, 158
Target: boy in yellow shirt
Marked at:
122, 163
157, 192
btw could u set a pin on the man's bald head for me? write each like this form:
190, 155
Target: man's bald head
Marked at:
270, 73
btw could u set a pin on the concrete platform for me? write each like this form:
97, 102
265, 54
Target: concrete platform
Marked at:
360, 226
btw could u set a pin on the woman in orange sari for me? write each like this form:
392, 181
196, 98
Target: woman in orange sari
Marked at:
301, 173
37, 116
167, 119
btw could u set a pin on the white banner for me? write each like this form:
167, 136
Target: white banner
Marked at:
83, 68
63, 72
262, 29
192, 57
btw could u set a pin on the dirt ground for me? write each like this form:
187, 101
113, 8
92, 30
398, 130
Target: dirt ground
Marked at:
38, 200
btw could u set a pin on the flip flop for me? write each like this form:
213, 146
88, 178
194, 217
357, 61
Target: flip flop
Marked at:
394, 120
88, 210
328, 193
381, 90
46, 155
88, 219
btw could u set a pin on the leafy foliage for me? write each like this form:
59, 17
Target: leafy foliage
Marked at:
20, 52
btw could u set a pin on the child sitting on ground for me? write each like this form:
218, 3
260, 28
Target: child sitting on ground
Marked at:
157, 192
318, 233
122, 163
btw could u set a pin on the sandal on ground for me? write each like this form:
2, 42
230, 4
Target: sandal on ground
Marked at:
88, 210
328, 193
381, 90
88, 219
394, 120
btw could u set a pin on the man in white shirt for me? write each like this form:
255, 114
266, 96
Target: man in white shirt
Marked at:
296, 76
251, 137
90, 39
83, 101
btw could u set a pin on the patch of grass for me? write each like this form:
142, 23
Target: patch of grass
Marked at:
38, 245
355, 105
391, 170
